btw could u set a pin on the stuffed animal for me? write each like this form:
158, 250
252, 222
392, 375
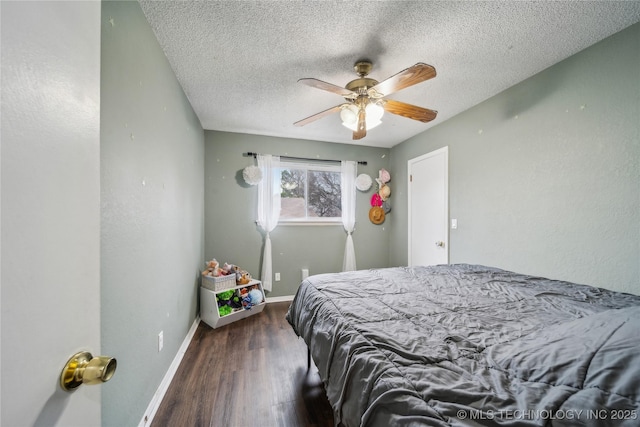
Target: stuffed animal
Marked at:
243, 278
227, 302
228, 268
212, 269
224, 310
224, 296
251, 298
255, 296
235, 302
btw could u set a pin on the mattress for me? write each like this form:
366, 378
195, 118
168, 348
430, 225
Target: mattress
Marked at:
460, 345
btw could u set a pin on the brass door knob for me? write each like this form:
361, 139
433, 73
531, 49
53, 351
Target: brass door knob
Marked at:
83, 368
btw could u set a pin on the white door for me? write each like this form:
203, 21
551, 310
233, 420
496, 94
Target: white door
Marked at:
50, 209
428, 206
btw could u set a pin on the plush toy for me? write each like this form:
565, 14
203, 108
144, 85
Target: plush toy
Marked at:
235, 302
243, 278
255, 296
228, 268
244, 292
251, 298
225, 296
227, 302
212, 269
224, 310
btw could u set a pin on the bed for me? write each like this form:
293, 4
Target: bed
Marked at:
456, 345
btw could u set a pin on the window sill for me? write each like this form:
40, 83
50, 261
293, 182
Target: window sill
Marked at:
302, 222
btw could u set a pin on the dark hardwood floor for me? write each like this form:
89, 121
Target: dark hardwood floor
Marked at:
252, 372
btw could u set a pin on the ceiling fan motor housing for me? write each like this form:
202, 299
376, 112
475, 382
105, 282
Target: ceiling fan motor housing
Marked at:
361, 85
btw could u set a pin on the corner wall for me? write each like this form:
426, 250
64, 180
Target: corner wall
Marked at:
152, 211
232, 235
544, 177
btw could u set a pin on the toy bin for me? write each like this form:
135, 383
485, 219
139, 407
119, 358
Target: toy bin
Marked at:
210, 314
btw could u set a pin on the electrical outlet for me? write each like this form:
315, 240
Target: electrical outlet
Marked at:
160, 341
277, 277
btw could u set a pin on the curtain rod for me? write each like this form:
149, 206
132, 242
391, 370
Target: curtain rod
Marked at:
248, 154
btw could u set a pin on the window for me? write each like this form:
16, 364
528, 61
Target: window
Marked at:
310, 192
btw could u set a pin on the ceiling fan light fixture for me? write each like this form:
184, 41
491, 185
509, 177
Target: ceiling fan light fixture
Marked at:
371, 124
349, 115
374, 112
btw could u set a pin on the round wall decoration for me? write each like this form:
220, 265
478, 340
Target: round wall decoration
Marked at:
363, 182
252, 175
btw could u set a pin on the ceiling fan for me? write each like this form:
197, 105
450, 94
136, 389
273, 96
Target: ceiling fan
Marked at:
365, 105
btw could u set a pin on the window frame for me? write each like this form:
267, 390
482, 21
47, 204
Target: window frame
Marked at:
310, 165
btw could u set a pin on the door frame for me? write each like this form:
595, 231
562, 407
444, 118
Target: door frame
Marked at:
410, 163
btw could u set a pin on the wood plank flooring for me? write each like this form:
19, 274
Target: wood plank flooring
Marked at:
252, 372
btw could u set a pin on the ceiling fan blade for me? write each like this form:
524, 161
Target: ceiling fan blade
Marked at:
409, 111
319, 84
318, 115
359, 135
405, 78
361, 130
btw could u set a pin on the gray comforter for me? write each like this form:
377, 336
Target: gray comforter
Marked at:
470, 345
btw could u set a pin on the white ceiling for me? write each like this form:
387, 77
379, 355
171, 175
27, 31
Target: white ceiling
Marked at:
239, 61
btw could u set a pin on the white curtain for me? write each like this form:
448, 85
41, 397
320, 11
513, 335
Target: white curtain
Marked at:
268, 210
348, 184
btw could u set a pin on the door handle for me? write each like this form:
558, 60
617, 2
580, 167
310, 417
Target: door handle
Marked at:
83, 368
440, 243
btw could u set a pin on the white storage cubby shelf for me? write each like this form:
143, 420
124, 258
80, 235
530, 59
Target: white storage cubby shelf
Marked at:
209, 313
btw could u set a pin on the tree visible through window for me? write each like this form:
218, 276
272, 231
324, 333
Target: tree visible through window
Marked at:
310, 192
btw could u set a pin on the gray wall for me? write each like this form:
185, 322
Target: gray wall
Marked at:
152, 164
231, 234
545, 177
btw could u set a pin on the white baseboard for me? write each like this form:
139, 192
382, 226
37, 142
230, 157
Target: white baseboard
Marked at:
168, 377
280, 299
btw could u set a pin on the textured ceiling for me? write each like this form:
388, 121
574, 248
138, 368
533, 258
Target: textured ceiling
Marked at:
239, 61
